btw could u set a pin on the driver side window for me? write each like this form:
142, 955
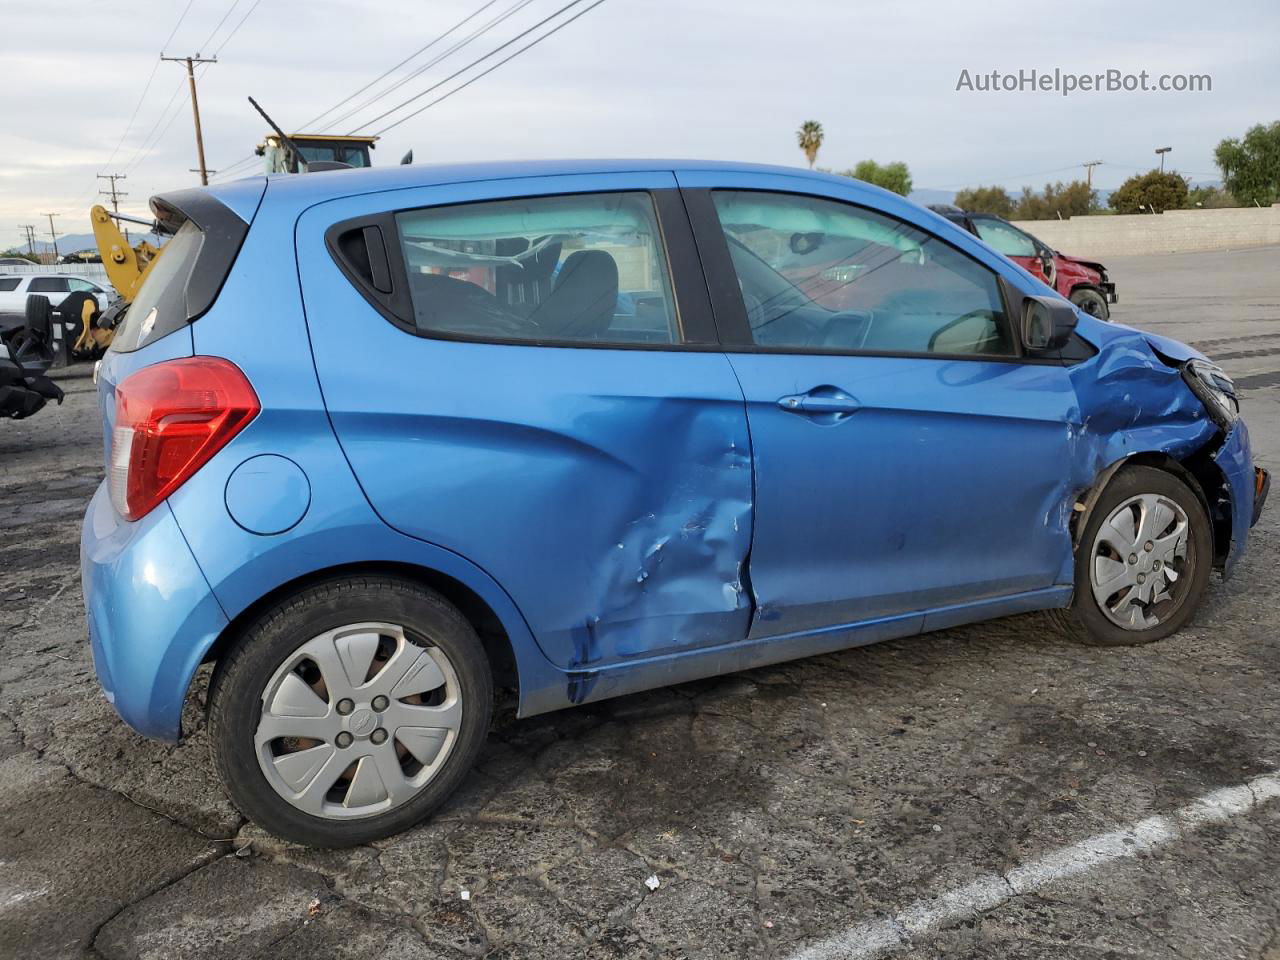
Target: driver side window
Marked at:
821, 275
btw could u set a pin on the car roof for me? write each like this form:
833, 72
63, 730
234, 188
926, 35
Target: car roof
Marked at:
330, 184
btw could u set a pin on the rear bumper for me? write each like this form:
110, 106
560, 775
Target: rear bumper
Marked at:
152, 616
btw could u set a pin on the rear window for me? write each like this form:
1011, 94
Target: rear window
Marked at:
161, 305
587, 268
10, 284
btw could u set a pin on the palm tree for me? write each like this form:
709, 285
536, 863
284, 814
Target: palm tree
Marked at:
809, 136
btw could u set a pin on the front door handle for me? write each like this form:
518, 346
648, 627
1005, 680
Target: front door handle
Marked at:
825, 404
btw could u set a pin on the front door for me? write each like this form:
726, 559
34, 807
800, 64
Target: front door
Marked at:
906, 459
526, 373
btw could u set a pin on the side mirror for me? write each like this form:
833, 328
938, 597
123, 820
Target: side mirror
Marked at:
1047, 323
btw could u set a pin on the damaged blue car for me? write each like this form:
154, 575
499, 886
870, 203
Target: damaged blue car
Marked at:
379, 442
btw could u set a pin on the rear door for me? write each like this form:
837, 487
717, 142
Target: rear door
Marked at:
526, 372
907, 461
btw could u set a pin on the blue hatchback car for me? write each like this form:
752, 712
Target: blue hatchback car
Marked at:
380, 441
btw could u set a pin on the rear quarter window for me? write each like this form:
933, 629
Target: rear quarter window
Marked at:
9, 285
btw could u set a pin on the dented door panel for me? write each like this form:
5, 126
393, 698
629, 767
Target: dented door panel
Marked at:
607, 490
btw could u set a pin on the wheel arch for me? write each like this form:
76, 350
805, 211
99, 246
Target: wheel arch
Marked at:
495, 633
1198, 471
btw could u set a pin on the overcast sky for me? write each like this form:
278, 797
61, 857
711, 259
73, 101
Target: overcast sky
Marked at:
725, 80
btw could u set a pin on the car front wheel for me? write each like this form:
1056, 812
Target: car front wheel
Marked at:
1091, 302
350, 711
1142, 562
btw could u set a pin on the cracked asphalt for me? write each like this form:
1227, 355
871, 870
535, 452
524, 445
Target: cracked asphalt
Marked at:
776, 808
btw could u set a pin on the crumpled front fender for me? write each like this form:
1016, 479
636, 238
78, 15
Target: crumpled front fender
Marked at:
1133, 400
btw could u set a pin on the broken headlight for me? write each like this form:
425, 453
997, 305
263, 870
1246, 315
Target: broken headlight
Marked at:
1215, 389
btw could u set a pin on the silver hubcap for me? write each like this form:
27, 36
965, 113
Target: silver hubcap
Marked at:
1140, 560
357, 721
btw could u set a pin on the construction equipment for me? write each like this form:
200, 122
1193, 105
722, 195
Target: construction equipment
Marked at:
308, 152
126, 265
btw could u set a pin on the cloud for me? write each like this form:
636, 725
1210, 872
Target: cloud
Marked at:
659, 78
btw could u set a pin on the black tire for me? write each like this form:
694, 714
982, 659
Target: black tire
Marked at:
1083, 621
243, 672
1091, 302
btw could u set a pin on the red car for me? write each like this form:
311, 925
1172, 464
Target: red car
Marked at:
1083, 282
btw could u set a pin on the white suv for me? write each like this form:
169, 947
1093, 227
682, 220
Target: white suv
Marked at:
14, 289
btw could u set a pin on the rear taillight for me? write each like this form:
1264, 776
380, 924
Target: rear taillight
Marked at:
171, 418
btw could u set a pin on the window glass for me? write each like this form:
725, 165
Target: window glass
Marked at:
48, 285
84, 285
312, 153
587, 268
9, 284
824, 275
161, 304
1005, 239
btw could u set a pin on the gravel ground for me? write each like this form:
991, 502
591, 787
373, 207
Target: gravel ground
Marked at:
872, 790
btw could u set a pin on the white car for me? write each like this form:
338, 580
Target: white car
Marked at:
14, 289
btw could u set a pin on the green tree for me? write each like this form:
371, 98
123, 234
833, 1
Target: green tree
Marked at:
1152, 192
809, 137
892, 176
986, 200
1057, 201
1210, 198
1251, 166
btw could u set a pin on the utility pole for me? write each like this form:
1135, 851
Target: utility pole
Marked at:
53, 234
31, 237
1162, 151
1089, 168
195, 106
112, 191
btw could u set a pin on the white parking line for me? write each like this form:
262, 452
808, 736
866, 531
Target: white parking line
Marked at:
878, 938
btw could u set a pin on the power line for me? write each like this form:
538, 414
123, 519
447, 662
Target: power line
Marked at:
435, 86
146, 87
145, 150
530, 45
236, 28
420, 50
146, 146
214, 32
419, 71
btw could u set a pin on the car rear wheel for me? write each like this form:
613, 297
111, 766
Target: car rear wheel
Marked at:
350, 711
1091, 302
1142, 562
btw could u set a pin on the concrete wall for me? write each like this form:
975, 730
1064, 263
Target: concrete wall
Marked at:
1176, 231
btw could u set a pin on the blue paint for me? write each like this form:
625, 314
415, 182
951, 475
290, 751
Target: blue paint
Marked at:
632, 517
268, 494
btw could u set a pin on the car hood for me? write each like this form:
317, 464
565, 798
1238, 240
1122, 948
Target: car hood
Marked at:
1103, 334
1091, 264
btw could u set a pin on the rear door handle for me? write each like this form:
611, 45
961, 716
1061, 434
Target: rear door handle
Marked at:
826, 404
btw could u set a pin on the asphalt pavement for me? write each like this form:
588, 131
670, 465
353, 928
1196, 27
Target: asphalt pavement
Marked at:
985, 792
